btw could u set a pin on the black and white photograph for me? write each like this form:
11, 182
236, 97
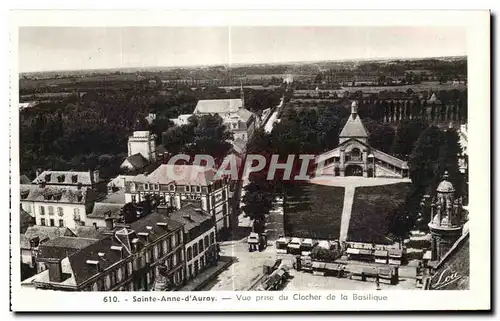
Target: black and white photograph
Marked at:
217, 159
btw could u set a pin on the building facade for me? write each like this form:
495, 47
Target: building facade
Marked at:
142, 142
199, 238
178, 184
61, 206
130, 258
355, 157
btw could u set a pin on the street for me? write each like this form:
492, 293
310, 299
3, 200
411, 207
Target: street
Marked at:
247, 267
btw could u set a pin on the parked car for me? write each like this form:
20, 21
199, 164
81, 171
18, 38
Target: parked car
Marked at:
294, 246
307, 246
253, 242
282, 245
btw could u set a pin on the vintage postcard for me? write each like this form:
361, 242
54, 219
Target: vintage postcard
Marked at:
250, 161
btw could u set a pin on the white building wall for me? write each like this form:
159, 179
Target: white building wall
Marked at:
197, 257
68, 214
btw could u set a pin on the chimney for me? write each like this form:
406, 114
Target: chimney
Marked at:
162, 224
109, 222
94, 264
118, 249
144, 236
95, 176
55, 270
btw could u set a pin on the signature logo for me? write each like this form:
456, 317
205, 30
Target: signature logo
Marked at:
446, 277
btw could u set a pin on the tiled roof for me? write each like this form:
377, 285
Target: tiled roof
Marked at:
182, 175
354, 127
57, 194
244, 114
82, 271
62, 247
65, 177
218, 106
89, 232
103, 210
118, 181
24, 179
190, 216
137, 161
47, 232
25, 220
389, 159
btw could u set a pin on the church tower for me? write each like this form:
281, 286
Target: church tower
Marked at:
447, 219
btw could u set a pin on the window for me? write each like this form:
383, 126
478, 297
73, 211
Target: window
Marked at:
51, 210
146, 187
119, 274
42, 210
198, 189
129, 268
156, 187
160, 249
178, 237
200, 246
74, 178
212, 200
76, 214
171, 188
212, 238
52, 222
189, 253
170, 262
107, 282
206, 241
132, 187
134, 199
42, 222
187, 188
61, 223
113, 277
60, 211
195, 250
179, 256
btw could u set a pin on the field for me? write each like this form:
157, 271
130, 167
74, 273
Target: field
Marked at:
369, 216
313, 211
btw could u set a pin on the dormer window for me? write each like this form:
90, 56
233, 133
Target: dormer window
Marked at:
60, 178
74, 178
47, 177
188, 188
198, 189
171, 188
24, 194
57, 197
156, 187
146, 187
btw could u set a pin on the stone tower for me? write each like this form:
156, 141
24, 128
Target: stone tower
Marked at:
447, 219
142, 142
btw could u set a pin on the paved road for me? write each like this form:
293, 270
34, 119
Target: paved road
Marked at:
346, 212
247, 267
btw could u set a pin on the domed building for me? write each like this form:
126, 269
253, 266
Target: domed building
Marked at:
447, 219
355, 157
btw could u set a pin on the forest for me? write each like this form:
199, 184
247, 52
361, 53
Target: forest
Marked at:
86, 131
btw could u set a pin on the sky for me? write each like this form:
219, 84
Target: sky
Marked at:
78, 48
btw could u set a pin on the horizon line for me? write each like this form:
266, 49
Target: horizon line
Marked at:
243, 63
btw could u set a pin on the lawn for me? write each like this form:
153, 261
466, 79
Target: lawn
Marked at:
370, 210
313, 211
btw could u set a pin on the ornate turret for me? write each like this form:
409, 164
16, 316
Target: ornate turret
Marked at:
446, 219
